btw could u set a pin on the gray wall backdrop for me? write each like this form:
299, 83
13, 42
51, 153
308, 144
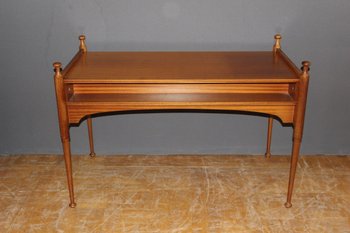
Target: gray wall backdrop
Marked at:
35, 33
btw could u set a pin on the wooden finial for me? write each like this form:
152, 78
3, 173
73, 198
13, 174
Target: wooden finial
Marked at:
57, 66
82, 43
277, 44
306, 67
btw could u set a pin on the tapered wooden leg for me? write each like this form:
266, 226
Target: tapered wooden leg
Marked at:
293, 167
64, 128
298, 128
68, 162
91, 138
269, 136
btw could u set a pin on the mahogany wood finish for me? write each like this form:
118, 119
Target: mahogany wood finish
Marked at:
258, 82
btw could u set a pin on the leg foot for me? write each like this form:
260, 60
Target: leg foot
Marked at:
92, 154
268, 155
72, 205
288, 204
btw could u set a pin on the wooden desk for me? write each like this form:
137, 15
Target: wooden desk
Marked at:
257, 82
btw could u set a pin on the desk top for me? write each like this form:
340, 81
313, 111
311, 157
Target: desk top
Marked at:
181, 67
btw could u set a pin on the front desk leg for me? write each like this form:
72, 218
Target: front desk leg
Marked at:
64, 128
68, 163
298, 123
293, 166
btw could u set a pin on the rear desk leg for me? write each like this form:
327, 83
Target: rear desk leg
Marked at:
269, 136
91, 138
298, 127
83, 48
64, 128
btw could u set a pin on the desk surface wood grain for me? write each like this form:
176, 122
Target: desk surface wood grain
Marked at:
181, 67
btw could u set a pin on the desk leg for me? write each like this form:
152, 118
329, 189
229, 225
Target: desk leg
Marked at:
68, 162
91, 138
293, 166
298, 128
64, 128
269, 136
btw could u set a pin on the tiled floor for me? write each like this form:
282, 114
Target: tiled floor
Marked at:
174, 194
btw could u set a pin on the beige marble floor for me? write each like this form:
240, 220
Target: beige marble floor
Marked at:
174, 194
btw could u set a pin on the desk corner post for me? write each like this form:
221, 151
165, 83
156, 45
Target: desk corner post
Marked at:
277, 44
298, 124
82, 46
275, 48
64, 127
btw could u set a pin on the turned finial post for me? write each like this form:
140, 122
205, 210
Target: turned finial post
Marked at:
57, 66
277, 44
305, 68
82, 46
